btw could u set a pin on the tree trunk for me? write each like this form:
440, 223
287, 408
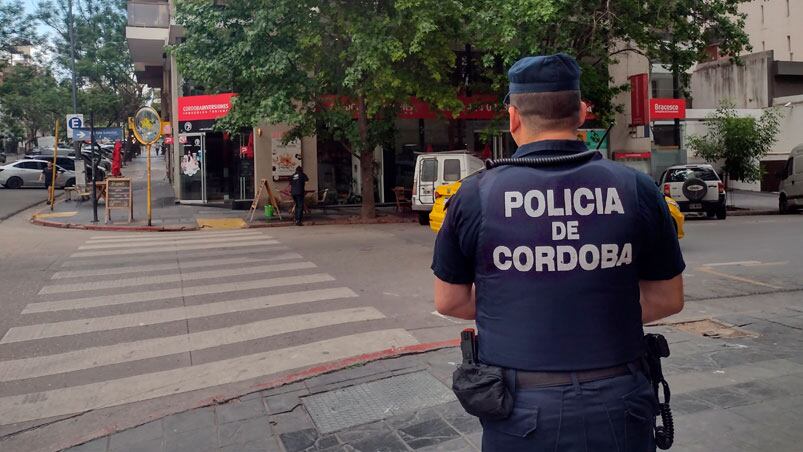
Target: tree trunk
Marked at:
366, 165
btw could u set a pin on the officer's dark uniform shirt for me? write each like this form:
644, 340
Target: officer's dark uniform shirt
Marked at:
556, 254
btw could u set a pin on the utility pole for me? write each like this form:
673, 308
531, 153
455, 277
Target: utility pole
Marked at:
71, 32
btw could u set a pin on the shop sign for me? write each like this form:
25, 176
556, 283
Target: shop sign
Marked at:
593, 138
631, 155
661, 109
167, 129
482, 107
197, 108
168, 140
286, 157
639, 97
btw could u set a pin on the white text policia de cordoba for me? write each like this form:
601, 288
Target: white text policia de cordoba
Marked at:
582, 202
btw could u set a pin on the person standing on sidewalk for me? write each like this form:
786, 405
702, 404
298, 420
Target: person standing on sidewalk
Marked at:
560, 266
297, 185
47, 178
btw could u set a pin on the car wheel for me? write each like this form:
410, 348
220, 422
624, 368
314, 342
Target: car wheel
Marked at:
722, 212
783, 205
710, 213
14, 182
423, 218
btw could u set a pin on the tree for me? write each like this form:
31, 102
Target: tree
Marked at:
675, 33
283, 57
15, 29
738, 142
32, 98
104, 72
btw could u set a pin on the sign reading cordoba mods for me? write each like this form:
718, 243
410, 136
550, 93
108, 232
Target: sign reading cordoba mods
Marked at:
198, 108
667, 109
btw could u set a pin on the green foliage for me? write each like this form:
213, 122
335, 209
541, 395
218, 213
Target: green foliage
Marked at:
283, 56
104, 71
670, 32
738, 142
15, 29
32, 99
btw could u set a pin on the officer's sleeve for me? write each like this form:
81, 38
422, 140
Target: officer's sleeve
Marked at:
453, 258
660, 258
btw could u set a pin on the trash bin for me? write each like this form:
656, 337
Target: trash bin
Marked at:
268, 211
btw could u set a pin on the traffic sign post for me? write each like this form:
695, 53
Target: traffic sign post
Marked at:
147, 130
74, 122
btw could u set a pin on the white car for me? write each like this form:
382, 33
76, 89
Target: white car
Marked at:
696, 188
28, 172
433, 169
790, 190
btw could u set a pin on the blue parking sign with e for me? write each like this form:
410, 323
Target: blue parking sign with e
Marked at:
75, 123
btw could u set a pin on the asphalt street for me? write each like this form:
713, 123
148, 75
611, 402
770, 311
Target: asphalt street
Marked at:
118, 326
15, 201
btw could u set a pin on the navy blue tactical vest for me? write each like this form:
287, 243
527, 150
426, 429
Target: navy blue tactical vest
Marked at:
556, 274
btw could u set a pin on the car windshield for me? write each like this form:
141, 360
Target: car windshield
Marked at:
683, 174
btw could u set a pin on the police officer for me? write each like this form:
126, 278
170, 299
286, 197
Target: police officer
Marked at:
560, 266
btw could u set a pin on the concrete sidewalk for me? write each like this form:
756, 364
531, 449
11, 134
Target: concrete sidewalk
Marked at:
753, 201
736, 386
167, 215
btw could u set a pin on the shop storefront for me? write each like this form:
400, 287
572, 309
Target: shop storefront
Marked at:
213, 167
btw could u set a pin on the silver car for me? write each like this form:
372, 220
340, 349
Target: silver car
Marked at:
28, 172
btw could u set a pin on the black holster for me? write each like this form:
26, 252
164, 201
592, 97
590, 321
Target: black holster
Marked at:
656, 348
480, 388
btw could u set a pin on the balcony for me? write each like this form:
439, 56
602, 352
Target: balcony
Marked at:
147, 34
153, 14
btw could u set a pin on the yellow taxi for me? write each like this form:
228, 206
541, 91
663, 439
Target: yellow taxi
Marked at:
444, 192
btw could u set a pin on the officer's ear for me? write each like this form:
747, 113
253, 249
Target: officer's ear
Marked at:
583, 113
515, 119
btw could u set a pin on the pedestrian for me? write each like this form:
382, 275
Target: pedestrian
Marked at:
297, 182
47, 178
117, 161
560, 266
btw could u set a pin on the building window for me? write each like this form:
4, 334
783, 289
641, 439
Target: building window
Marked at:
787, 8
762, 14
763, 47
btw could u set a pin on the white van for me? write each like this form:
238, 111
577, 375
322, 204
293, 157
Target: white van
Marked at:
434, 169
790, 190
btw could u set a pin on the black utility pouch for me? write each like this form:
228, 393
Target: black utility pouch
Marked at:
482, 391
480, 388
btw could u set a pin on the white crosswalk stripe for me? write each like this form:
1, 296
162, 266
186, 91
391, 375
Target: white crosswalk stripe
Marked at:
160, 237
77, 399
163, 346
130, 318
181, 277
110, 271
165, 294
166, 248
115, 322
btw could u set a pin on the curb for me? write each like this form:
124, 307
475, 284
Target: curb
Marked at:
749, 213
270, 383
378, 220
102, 227
26, 208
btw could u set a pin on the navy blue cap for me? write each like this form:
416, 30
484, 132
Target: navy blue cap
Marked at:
544, 73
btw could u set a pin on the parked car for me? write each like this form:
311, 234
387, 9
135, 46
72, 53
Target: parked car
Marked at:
27, 173
435, 169
444, 192
696, 188
790, 190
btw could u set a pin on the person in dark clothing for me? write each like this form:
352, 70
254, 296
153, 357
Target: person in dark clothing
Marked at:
297, 182
47, 178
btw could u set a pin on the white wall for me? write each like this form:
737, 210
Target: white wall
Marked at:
746, 85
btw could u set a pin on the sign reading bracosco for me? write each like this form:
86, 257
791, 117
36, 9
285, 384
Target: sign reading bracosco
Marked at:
661, 109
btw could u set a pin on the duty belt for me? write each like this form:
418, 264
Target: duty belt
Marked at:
534, 380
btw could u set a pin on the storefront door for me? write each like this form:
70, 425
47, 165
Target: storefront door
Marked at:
192, 167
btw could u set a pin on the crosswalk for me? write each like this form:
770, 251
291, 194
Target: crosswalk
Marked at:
229, 306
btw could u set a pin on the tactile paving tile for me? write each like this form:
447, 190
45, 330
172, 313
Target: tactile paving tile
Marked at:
376, 400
